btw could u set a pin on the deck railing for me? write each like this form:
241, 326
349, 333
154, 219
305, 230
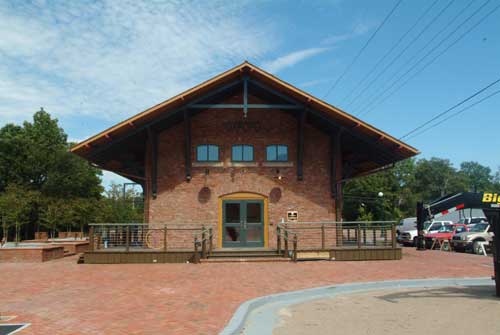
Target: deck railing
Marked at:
287, 236
135, 236
347, 234
204, 240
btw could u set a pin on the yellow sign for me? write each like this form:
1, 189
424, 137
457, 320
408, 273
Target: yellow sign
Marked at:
491, 197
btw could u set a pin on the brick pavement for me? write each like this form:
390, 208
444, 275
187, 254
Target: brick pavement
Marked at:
62, 297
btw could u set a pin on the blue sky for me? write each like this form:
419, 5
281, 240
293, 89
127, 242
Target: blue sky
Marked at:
94, 63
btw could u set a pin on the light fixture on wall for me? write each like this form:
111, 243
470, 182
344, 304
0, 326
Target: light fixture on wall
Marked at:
278, 174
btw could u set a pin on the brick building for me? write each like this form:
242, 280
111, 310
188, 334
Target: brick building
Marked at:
242, 152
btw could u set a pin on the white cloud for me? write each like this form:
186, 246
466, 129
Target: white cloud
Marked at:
358, 30
113, 59
291, 59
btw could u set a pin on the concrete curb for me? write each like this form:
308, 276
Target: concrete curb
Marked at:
270, 304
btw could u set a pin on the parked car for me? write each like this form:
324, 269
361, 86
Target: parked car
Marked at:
406, 225
470, 240
410, 237
473, 220
446, 232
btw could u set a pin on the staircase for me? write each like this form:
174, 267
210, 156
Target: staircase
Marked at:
244, 255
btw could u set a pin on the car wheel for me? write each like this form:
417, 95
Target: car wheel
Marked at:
476, 248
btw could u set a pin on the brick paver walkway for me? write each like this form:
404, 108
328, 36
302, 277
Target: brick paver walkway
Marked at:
62, 297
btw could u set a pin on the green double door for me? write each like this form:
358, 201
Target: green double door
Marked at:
242, 223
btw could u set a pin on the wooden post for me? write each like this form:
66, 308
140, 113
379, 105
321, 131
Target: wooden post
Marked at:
323, 237
339, 237
358, 234
203, 243
286, 243
385, 235
127, 239
98, 242
165, 238
210, 245
153, 138
295, 247
393, 235
187, 144
91, 238
278, 239
196, 254
301, 120
348, 234
364, 235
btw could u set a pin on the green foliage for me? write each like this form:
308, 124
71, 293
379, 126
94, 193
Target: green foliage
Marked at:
410, 181
477, 177
16, 207
35, 160
119, 208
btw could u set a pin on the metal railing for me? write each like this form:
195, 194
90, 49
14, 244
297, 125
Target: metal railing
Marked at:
282, 233
348, 234
136, 236
203, 239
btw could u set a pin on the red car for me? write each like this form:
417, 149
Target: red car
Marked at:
446, 232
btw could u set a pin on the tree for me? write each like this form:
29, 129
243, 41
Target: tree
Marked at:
115, 208
436, 177
13, 156
36, 157
16, 204
477, 176
85, 211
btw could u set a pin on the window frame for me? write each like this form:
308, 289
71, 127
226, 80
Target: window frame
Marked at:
207, 145
242, 145
278, 160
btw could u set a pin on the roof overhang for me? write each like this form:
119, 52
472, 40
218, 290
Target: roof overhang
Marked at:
356, 129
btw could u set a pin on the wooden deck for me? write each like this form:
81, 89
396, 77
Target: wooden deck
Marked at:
121, 256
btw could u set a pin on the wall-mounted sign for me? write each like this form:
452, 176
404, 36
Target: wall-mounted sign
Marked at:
242, 125
292, 216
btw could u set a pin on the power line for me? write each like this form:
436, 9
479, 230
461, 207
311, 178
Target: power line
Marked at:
435, 58
379, 98
450, 109
395, 59
391, 50
455, 114
362, 49
398, 56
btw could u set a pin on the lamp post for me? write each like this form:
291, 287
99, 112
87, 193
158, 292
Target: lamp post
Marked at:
381, 197
124, 193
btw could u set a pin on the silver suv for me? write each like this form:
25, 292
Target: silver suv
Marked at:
470, 240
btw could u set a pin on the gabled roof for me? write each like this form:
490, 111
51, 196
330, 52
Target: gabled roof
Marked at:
344, 119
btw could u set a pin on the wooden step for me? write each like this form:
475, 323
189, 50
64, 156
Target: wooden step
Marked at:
81, 259
242, 254
245, 260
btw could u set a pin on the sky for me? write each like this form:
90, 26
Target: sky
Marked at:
92, 64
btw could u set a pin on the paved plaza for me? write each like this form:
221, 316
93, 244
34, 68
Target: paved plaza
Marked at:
62, 297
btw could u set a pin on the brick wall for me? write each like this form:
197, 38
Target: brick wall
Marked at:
30, 255
182, 202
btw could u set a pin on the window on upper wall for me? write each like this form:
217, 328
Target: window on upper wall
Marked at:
207, 153
242, 153
277, 153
